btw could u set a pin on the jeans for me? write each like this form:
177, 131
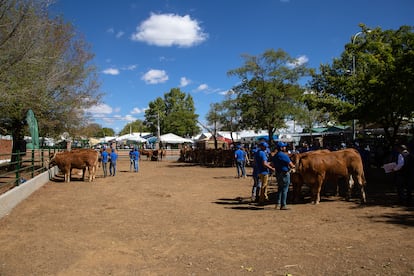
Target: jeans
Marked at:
283, 182
112, 168
136, 165
241, 170
257, 185
105, 168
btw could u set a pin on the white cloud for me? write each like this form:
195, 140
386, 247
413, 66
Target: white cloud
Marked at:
299, 61
154, 76
100, 109
130, 67
111, 71
202, 87
137, 110
170, 29
130, 118
119, 34
184, 82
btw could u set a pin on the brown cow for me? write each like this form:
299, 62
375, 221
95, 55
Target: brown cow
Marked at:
314, 169
295, 178
146, 152
76, 159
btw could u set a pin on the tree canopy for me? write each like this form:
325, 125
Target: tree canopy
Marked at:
45, 66
269, 91
135, 126
175, 113
372, 81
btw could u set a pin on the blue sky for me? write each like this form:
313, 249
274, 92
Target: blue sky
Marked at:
144, 48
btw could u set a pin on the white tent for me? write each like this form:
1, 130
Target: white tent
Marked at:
131, 137
171, 138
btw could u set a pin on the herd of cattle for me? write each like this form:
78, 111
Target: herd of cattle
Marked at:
313, 168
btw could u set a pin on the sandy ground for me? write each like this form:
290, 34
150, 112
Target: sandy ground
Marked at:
179, 219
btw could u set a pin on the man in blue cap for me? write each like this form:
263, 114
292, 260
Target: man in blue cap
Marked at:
282, 164
263, 168
240, 155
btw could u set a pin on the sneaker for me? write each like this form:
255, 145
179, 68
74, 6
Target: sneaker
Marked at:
277, 207
284, 208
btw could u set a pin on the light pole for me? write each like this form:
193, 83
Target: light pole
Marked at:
354, 75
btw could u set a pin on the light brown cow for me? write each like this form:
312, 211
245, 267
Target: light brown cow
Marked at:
76, 159
314, 169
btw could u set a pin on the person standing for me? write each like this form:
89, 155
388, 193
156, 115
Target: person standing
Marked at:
282, 164
112, 166
104, 159
135, 158
401, 172
256, 181
240, 156
131, 159
263, 168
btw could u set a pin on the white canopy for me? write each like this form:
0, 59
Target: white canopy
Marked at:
171, 138
131, 137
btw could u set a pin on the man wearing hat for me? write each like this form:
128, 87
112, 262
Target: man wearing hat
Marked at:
282, 164
240, 156
263, 168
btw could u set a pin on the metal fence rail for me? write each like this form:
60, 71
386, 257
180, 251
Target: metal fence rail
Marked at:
19, 167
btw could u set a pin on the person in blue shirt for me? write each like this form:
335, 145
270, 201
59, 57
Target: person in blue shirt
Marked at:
104, 159
263, 168
240, 156
135, 159
112, 166
282, 164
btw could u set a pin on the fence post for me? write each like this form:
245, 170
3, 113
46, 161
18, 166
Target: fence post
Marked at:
18, 168
33, 166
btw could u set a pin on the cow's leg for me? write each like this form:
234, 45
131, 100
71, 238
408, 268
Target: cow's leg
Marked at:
318, 187
350, 186
67, 176
83, 173
361, 182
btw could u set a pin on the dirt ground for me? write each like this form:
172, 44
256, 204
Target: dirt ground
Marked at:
178, 219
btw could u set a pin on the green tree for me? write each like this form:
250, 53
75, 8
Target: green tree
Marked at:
175, 113
224, 116
135, 126
372, 80
269, 91
44, 66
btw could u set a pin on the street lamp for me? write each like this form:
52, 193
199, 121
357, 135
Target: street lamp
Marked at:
354, 74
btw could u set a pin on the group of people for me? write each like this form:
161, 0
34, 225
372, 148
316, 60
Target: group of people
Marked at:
112, 158
265, 164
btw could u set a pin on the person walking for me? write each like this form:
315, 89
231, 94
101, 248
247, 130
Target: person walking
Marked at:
104, 159
112, 165
135, 159
263, 168
240, 156
282, 164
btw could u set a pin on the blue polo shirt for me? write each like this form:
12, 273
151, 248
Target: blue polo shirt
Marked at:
240, 155
259, 157
281, 162
104, 155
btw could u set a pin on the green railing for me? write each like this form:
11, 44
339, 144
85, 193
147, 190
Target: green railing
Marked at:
17, 168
